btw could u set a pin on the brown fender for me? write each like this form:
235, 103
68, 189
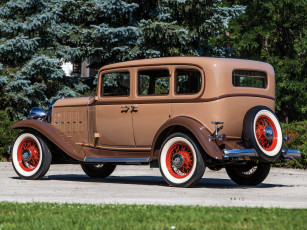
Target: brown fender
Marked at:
199, 131
54, 135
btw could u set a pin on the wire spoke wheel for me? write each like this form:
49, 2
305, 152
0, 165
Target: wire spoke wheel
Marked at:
250, 174
181, 162
28, 154
31, 157
266, 133
262, 132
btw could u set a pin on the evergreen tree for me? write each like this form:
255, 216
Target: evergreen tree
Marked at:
37, 36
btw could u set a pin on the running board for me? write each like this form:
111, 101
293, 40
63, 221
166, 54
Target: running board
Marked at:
116, 159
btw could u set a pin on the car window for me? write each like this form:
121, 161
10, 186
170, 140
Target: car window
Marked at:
116, 84
188, 81
248, 78
153, 82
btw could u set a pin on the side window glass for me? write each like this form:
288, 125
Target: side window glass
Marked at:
188, 81
116, 84
153, 82
249, 78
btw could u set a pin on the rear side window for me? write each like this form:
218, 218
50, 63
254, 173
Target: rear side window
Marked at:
116, 84
188, 81
248, 78
153, 82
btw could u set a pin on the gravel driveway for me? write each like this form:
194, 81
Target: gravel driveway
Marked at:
286, 188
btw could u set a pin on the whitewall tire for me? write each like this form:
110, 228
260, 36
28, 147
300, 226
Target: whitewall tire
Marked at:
262, 131
181, 162
31, 157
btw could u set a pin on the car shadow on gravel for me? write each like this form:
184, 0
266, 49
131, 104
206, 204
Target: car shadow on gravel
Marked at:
155, 181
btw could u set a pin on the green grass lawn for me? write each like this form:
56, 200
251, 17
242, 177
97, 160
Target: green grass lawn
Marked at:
80, 216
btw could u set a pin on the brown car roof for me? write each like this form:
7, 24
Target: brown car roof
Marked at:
199, 61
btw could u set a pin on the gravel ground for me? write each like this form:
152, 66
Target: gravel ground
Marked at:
286, 188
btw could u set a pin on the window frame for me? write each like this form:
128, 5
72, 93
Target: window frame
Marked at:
99, 94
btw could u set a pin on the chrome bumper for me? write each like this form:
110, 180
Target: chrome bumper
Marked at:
290, 153
239, 153
9, 151
235, 153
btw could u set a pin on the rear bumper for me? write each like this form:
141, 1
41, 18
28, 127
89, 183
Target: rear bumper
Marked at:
236, 153
290, 153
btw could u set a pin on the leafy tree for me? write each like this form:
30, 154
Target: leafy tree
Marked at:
276, 32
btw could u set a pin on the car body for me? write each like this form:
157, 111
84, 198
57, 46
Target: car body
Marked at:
177, 113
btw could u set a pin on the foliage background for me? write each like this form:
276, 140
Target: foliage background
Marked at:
37, 36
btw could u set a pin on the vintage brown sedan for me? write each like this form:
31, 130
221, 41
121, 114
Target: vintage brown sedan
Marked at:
180, 114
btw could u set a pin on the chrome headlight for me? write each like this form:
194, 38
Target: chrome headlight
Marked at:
37, 114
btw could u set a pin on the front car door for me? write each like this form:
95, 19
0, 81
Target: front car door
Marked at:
113, 118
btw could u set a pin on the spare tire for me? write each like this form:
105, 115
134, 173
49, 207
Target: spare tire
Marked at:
262, 131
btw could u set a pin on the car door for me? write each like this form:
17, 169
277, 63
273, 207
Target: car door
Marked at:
151, 104
113, 120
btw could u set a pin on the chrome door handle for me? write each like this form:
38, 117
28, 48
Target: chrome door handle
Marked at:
125, 108
134, 108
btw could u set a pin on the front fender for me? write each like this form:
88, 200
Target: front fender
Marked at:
54, 135
199, 131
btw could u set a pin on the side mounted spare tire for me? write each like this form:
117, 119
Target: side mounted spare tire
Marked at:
262, 131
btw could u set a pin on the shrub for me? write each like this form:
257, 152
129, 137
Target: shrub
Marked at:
7, 135
298, 133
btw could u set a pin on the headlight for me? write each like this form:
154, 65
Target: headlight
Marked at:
37, 114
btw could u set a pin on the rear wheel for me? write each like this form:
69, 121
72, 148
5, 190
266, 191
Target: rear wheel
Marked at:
262, 131
31, 157
98, 170
248, 174
181, 162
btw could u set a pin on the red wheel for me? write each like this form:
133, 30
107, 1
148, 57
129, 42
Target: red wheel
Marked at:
262, 131
266, 133
31, 157
28, 154
181, 162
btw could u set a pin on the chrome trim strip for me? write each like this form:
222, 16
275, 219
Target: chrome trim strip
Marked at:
288, 153
240, 153
117, 159
88, 126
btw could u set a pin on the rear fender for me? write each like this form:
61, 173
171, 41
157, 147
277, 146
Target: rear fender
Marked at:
54, 135
200, 132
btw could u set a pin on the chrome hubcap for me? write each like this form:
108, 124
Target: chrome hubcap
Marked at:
26, 155
268, 132
177, 160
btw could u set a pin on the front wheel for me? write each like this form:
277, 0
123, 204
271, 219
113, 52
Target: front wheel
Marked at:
181, 162
31, 157
248, 174
98, 170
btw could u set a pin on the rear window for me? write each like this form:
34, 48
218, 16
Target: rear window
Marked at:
249, 78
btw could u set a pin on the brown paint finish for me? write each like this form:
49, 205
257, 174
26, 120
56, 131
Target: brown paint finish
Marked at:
197, 129
54, 135
101, 126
